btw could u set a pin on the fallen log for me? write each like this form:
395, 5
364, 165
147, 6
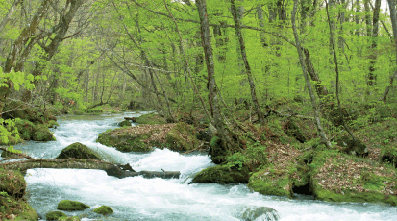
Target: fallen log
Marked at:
117, 170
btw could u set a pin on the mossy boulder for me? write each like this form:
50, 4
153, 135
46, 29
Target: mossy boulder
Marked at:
222, 174
26, 129
71, 205
125, 123
337, 177
125, 142
42, 133
218, 153
72, 218
12, 182
78, 151
52, 124
9, 155
54, 215
104, 210
352, 147
181, 137
151, 118
271, 181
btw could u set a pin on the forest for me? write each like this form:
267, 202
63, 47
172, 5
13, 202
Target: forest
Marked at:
288, 97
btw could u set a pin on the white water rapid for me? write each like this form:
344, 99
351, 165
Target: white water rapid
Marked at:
136, 198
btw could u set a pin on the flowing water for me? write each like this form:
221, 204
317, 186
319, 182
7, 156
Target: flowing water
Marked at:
136, 198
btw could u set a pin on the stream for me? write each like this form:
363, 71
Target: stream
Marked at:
136, 198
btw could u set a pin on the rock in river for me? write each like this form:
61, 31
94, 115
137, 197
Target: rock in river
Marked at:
78, 151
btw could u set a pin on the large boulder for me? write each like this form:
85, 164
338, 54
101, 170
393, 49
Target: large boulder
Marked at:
54, 215
71, 205
222, 174
337, 177
72, 218
104, 210
151, 118
125, 141
42, 133
181, 137
78, 151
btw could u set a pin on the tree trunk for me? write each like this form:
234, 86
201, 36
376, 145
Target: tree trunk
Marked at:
229, 139
373, 56
319, 127
246, 63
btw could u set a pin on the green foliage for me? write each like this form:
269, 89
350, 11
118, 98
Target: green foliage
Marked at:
253, 157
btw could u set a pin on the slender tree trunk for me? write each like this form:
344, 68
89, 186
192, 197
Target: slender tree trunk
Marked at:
373, 56
319, 127
246, 64
357, 17
393, 18
7, 18
337, 76
229, 139
260, 19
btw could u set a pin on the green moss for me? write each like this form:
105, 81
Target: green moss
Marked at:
217, 152
73, 218
181, 137
71, 205
271, 182
52, 124
104, 210
12, 182
389, 154
24, 211
125, 142
42, 133
54, 215
372, 183
151, 118
125, 123
78, 151
26, 129
222, 174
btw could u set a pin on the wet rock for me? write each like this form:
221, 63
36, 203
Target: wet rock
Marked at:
125, 123
132, 119
181, 137
71, 205
54, 215
222, 174
116, 171
78, 151
259, 213
104, 210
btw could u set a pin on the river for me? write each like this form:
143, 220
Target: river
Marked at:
136, 198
